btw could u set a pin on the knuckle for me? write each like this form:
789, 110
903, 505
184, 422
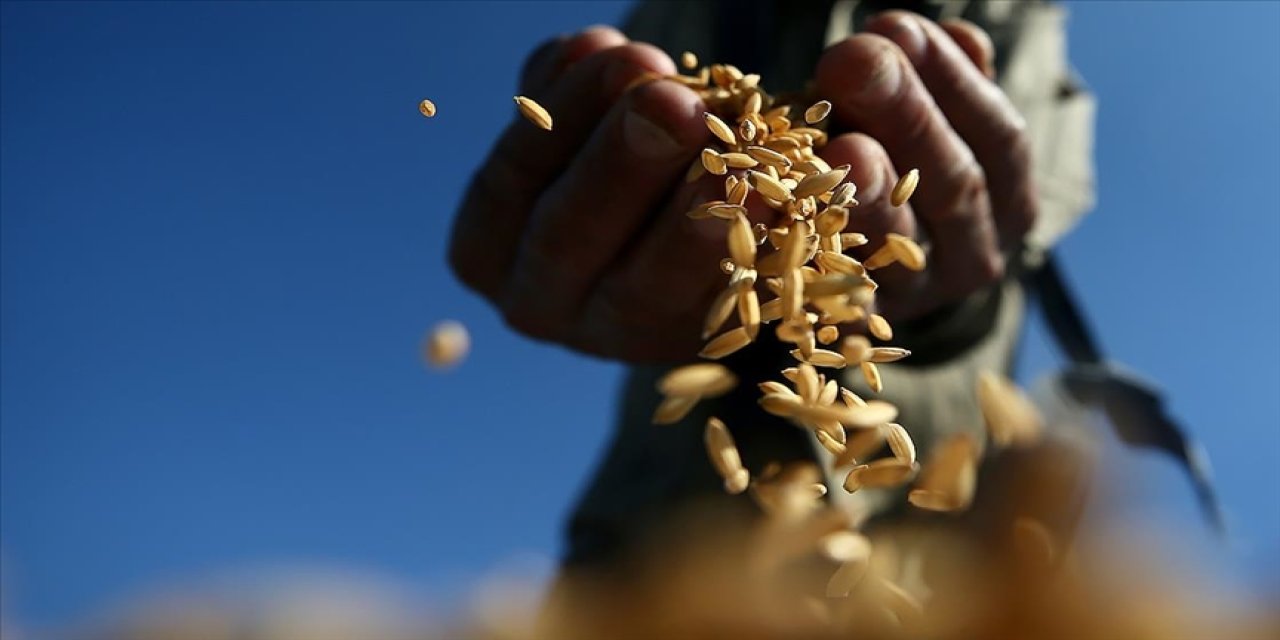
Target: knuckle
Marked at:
1023, 212
550, 251
964, 191
1011, 136
990, 268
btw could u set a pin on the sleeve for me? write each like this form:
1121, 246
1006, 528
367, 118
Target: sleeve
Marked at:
1059, 112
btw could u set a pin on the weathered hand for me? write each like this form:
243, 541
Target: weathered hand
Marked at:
579, 235
919, 95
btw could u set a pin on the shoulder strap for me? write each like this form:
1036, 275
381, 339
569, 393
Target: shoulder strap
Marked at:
1135, 407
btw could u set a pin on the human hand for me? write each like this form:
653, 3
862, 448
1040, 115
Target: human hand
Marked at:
920, 95
579, 235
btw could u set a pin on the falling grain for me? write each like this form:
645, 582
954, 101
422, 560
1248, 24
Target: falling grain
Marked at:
698, 380
719, 129
879, 327
534, 112
904, 188
447, 344
427, 108
726, 343
817, 112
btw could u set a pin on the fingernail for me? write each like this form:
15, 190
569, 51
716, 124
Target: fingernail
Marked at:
646, 139
884, 80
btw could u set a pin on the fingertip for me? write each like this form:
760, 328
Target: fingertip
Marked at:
975, 42
866, 158
665, 118
629, 61
860, 71
904, 28
591, 40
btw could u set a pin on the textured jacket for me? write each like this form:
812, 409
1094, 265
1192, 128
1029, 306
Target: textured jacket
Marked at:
649, 471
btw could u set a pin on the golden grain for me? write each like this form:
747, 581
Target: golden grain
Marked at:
879, 327
949, 478
872, 374
1010, 416
883, 257
724, 456
884, 473
900, 442
904, 188
906, 251
447, 344
817, 112
738, 160
673, 409
749, 312
769, 157
714, 163
725, 344
534, 112
719, 129
886, 354
828, 334
742, 241
847, 576
821, 182
427, 108
851, 240
699, 380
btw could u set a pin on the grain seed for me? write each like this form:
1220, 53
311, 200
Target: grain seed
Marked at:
719, 129
742, 241
703, 379
427, 108
673, 409
905, 187
828, 334
725, 344
900, 442
534, 112
872, 375
749, 312
908, 253
713, 163
817, 112
447, 344
879, 327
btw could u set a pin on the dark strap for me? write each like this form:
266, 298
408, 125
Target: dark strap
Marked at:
1135, 407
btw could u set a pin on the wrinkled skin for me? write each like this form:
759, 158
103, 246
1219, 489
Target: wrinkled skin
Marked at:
578, 236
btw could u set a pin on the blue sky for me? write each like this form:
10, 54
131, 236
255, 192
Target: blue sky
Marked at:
223, 235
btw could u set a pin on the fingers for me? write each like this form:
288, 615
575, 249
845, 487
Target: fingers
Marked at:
549, 61
872, 171
975, 42
651, 303
602, 200
976, 108
526, 159
662, 282
873, 88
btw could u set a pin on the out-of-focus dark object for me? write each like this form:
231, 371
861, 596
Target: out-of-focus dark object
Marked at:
1135, 407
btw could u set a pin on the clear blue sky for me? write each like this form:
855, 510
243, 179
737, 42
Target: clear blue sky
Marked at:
223, 235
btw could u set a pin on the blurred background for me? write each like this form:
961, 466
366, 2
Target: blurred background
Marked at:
223, 237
